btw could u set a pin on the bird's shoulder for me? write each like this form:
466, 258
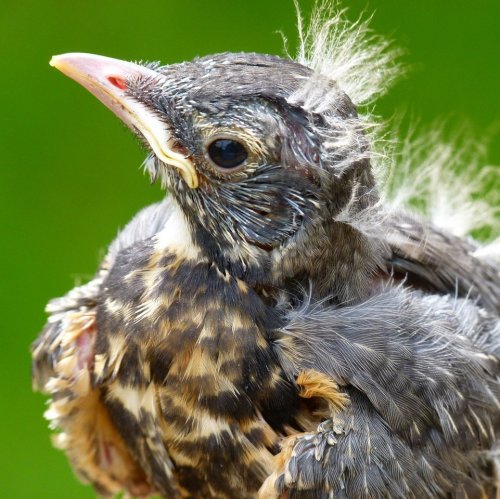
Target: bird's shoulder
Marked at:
72, 312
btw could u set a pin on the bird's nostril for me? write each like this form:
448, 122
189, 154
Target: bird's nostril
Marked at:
117, 82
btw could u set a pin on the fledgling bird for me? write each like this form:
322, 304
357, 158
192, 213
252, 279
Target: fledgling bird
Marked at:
273, 328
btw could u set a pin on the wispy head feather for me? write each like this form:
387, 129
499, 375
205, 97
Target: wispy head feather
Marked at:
362, 63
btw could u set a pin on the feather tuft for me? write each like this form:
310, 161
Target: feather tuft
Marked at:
446, 182
362, 63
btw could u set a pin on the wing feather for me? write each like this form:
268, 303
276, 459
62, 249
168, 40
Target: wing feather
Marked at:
421, 372
66, 367
63, 358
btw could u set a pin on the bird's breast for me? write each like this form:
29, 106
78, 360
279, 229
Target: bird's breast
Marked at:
185, 345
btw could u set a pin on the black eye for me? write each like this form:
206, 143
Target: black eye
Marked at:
227, 153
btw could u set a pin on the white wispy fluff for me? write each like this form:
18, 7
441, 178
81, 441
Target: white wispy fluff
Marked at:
445, 180
346, 58
361, 62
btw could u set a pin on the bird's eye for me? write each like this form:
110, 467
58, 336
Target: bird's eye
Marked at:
227, 153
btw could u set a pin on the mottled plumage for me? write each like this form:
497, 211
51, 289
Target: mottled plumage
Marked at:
273, 328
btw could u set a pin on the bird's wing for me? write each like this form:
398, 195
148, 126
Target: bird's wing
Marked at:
63, 358
421, 374
63, 365
431, 260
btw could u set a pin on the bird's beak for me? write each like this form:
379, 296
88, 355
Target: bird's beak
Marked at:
107, 79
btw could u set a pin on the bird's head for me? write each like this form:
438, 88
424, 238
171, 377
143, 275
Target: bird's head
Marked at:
259, 153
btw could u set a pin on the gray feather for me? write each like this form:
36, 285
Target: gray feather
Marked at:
422, 375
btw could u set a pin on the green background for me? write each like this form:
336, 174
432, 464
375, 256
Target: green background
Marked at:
70, 171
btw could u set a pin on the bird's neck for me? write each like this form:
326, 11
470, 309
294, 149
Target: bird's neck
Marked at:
333, 256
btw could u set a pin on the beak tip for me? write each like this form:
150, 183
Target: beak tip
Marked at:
70, 59
58, 61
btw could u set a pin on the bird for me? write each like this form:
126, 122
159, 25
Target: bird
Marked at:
274, 327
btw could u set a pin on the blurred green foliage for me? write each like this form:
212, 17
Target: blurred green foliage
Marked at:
70, 172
